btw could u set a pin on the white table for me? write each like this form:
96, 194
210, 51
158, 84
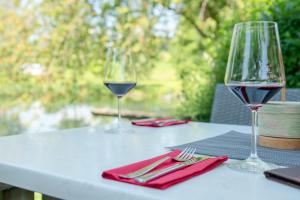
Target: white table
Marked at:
67, 164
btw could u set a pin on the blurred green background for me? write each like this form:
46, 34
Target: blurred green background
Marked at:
52, 55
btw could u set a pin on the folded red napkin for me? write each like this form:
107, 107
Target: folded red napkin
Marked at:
159, 122
167, 180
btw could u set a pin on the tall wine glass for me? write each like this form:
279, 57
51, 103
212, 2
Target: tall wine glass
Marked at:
254, 74
120, 78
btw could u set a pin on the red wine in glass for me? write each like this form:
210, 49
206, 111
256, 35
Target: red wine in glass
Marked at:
119, 89
253, 95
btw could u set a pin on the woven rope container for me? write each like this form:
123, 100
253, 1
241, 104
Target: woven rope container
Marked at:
279, 125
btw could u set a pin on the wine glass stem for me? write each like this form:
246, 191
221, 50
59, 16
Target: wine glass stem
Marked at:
119, 113
253, 154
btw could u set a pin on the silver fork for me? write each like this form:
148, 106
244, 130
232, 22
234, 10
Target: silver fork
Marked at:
162, 123
152, 175
185, 155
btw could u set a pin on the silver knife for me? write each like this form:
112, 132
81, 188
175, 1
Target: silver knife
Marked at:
150, 176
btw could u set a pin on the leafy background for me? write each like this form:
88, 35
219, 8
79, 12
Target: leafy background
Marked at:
180, 49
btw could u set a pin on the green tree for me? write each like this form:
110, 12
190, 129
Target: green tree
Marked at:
286, 14
69, 39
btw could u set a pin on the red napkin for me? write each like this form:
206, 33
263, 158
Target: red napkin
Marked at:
159, 122
167, 180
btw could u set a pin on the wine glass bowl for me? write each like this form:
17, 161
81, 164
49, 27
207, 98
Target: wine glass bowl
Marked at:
119, 78
254, 74
255, 48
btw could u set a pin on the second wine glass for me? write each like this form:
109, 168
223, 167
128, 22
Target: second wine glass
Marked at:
254, 74
120, 78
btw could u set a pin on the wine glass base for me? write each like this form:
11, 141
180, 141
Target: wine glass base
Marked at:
118, 130
119, 126
252, 165
91, 130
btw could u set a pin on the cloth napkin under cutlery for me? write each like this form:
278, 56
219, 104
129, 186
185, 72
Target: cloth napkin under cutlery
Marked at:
159, 122
167, 180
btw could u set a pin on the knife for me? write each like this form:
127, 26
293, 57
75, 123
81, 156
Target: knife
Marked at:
152, 175
146, 169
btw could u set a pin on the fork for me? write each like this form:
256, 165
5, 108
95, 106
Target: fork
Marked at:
184, 155
152, 175
162, 123
158, 122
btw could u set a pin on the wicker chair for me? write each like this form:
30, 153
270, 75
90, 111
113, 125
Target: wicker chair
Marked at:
227, 109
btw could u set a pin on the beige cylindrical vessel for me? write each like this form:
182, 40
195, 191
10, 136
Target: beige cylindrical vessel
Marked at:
279, 125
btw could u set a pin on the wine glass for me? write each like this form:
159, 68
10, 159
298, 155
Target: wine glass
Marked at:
254, 74
120, 78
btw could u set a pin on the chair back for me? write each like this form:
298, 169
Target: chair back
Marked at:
227, 109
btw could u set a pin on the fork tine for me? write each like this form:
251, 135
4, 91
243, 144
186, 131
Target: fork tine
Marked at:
191, 155
182, 152
186, 155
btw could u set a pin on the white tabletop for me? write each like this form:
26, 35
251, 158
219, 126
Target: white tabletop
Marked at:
67, 164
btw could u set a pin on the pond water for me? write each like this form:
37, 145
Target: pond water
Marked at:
36, 116
36, 119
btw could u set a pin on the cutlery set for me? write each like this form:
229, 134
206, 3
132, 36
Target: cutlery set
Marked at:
185, 158
159, 122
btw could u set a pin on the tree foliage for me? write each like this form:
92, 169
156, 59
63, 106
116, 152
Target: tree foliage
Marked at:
69, 39
286, 14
